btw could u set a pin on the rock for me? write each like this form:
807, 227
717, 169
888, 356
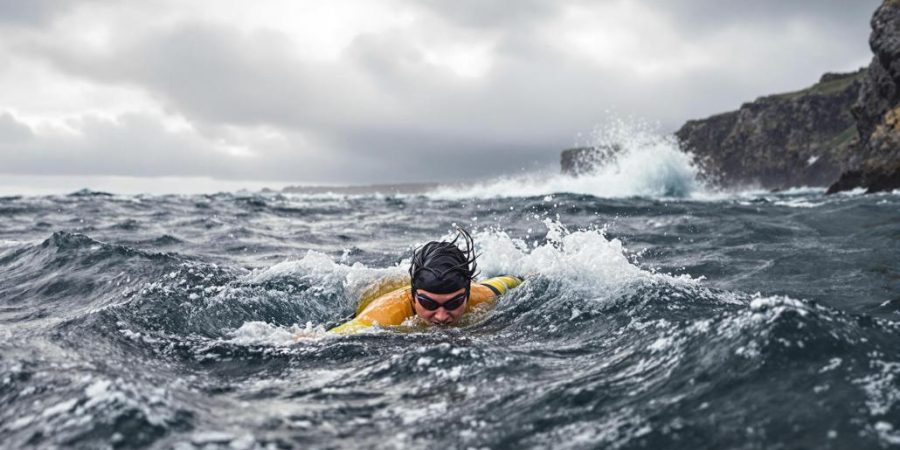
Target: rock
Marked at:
850, 179
581, 160
845, 127
574, 161
780, 141
873, 176
875, 158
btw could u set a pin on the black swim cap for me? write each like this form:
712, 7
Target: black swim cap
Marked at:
442, 267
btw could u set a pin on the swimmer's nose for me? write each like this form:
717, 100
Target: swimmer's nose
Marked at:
441, 317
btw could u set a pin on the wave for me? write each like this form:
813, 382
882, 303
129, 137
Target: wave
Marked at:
75, 273
625, 347
584, 264
631, 161
594, 348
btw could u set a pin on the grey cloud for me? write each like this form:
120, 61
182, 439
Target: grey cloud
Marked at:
422, 155
691, 17
133, 145
215, 77
29, 12
215, 73
12, 131
492, 14
839, 16
383, 113
393, 64
36, 12
139, 145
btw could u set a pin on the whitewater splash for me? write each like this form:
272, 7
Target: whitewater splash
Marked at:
587, 260
644, 163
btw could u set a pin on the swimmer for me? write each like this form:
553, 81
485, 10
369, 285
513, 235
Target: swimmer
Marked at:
440, 290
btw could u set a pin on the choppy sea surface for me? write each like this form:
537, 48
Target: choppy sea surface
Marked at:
655, 314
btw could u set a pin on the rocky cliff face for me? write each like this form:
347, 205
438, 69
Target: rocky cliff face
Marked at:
842, 132
794, 139
874, 159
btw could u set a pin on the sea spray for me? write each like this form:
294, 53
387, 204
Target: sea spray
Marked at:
630, 159
587, 261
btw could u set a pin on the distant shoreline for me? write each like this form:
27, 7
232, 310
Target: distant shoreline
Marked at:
401, 188
40, 185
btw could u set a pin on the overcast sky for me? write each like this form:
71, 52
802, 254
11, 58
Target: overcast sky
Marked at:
387, 91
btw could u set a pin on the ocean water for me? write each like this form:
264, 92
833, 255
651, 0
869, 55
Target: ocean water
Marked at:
656, 313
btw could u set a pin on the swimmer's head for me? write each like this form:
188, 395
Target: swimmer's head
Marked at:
441, 274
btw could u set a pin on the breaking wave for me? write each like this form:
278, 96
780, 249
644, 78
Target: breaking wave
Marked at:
629, 160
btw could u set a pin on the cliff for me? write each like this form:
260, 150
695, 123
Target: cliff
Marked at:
874, 159
800, 138
842, 132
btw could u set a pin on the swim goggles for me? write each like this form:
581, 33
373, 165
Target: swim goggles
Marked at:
449, 305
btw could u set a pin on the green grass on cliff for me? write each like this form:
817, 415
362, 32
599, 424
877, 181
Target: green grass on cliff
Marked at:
841, 142
830, 87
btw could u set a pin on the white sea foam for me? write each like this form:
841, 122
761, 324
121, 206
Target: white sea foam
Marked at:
586, 259
326, 274
262, 333
320, 267
646, 164
798, 203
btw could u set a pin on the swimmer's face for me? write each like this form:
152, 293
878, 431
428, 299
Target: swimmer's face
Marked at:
440, 316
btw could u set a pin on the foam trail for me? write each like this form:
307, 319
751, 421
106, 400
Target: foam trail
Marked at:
587, 259
645, 164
